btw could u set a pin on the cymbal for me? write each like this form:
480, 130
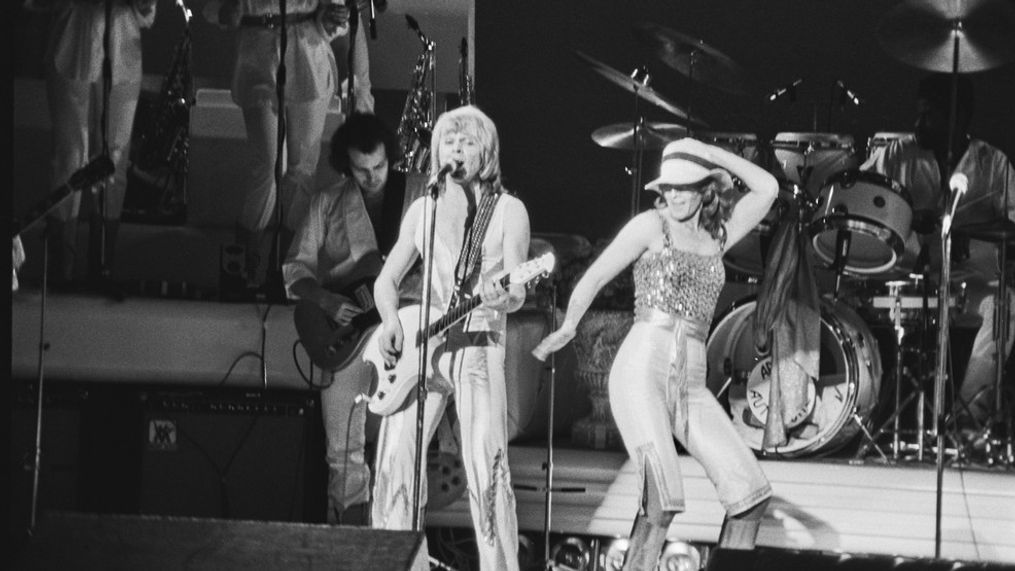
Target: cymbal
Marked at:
921, 33
632, 85
999, 230
678, 50
653, 135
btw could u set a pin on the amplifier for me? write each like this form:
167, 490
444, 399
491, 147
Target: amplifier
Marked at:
234, 455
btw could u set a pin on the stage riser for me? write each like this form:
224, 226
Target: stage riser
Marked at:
818, 505
194, 343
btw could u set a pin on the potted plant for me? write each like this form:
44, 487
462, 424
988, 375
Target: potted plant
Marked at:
599, 335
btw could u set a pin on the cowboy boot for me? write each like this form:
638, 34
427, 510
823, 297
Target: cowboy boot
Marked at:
741, 531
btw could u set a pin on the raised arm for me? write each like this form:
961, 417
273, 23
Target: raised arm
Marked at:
752, 208
631, 242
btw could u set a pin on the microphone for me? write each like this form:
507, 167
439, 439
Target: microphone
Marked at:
959, 184
850, 94
791, 89
450, 167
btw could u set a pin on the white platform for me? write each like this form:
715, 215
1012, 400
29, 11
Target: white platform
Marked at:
818, 505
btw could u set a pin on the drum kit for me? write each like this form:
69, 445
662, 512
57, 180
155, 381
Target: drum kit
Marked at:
856, 224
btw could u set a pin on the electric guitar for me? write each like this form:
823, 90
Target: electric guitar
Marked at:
395, 383
331, 346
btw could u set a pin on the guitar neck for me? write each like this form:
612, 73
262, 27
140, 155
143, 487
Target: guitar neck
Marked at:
457, 313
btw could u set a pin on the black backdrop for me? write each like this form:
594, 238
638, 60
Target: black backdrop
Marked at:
546, 101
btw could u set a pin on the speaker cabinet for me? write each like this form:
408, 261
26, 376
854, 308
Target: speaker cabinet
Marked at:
90, 541
233, 456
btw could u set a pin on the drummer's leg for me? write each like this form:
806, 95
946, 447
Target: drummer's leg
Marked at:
977, 390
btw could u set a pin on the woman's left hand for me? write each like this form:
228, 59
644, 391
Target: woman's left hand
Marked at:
553, 342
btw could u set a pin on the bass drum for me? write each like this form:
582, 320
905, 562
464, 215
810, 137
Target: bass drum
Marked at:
845, 392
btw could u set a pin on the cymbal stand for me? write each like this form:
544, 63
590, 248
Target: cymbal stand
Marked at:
940, 372
642, 77
895, 291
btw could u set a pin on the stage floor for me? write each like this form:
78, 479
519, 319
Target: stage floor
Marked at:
825, 505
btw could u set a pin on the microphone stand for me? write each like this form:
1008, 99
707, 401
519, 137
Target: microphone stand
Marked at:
274, 290
549, 434
350, 57
424, 345
103, 166
940, 372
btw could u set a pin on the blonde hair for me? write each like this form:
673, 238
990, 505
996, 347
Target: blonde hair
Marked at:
473, 122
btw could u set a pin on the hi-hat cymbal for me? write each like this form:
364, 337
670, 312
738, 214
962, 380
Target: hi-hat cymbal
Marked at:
679, 51
922, 33
632, 85
999, 230
622, 136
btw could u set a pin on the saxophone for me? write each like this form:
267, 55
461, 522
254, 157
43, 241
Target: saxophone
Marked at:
420, 111
161, 160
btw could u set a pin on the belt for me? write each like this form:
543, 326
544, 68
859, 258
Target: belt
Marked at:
272, 21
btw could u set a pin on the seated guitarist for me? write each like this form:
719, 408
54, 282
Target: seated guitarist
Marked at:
481, 230
349, 228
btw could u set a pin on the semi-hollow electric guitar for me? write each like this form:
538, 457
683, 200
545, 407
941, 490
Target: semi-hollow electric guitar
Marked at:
331, 346
396, 383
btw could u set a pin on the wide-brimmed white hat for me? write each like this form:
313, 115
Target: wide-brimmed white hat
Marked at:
683, 165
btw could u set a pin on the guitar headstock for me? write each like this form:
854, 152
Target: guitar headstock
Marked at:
532, 270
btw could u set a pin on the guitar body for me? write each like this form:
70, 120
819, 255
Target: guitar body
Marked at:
395, 385
330, 346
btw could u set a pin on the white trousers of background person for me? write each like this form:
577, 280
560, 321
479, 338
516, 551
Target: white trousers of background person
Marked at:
304, 128
345, 431
977, 389
75, 108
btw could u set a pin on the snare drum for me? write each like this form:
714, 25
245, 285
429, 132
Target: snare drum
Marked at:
745, 260
876, 212
882, 139
846, 390
808, 159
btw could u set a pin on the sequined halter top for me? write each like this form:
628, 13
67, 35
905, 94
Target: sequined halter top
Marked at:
678, 282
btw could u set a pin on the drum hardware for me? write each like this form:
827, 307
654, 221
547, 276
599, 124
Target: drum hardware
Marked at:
623, 136
896, 289
638, 84
949, 36
954, 37
693, 58
874, 209
809, 159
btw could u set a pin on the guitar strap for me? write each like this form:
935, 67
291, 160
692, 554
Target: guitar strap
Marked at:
467, 268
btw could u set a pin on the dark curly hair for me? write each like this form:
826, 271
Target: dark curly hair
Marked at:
716, 207
363, 132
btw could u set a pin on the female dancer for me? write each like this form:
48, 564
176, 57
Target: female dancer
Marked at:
657, 383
